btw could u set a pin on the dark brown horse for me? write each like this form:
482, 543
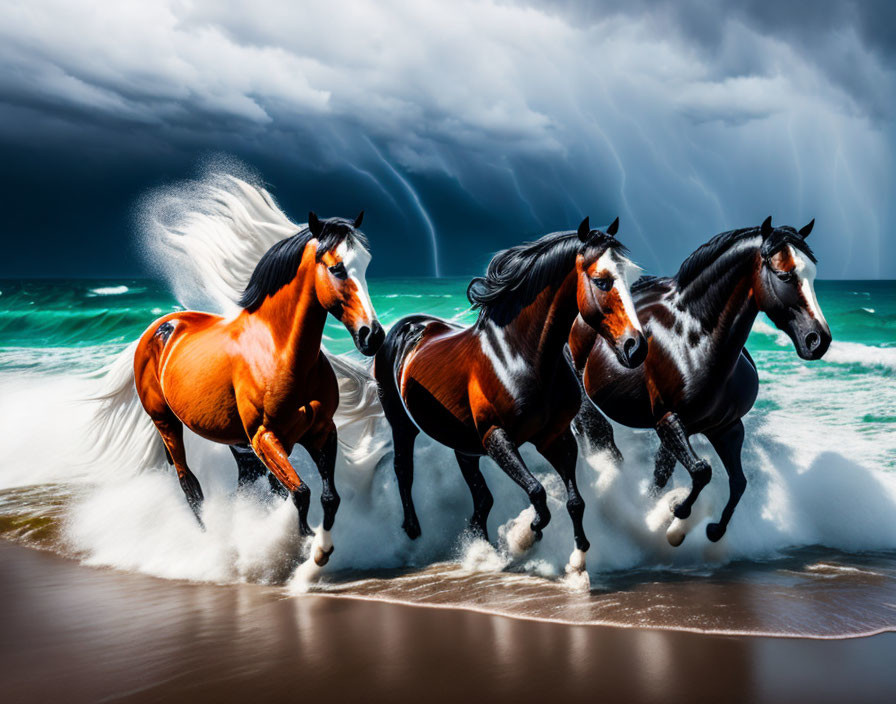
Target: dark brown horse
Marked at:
505, 381
698, 377
259, 382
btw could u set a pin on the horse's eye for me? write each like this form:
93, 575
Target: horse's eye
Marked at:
604, 284
785, 276
338, 270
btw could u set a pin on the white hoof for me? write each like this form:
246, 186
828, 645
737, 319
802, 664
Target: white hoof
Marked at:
677, 531
576, 561
520, 536
577, 578
321, 547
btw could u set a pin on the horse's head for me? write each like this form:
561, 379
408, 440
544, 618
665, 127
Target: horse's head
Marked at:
605, 302
784, 290
340, 280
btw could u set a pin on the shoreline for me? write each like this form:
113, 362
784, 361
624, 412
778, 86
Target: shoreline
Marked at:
93, 634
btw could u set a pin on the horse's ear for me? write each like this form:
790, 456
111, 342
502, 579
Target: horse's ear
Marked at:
358, 220
314, 224
766, 229
584, 230
613, 228
804, 233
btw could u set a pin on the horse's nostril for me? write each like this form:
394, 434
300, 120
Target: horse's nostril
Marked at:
813, 339
629, 346
363, 334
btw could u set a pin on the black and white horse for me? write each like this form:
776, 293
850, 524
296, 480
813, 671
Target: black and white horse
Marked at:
698, 377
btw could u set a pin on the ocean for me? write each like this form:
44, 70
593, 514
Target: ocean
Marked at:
811, 550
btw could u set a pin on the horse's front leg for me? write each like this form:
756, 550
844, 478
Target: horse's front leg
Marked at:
270, 450
728, 444
563, 452
505, 453
321, 446
674, 437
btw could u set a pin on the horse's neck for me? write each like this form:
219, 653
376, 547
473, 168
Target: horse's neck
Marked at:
720, 300
296, 320
543, 327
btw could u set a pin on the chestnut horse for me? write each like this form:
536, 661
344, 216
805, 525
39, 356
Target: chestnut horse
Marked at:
698, 377
258, 382
505, 381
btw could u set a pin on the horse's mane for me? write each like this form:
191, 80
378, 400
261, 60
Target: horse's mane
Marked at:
707, 253
516, 276
279, 264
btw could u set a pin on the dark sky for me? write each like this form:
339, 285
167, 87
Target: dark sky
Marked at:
460, 127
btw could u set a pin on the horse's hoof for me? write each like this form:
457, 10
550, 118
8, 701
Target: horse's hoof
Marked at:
676, 532
681, 512
576, 561
520, 537
577, 578
412, 530
322, 556
714, 531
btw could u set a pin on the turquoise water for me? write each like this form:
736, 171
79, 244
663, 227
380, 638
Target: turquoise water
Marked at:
51, 326
81, 312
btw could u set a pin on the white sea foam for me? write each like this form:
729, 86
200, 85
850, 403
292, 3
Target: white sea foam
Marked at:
809, 484
109, 290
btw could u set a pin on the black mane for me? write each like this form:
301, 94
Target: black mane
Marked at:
280, 263
707, 253
516, 276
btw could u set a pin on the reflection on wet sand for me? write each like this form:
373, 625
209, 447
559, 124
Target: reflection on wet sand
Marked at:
86, 634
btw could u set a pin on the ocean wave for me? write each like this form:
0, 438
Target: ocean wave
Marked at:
109, 290
859, 354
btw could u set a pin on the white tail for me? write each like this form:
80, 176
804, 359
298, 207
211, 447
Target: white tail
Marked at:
122, 433
360, 416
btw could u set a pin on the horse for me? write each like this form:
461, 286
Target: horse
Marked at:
258, 381
504, 381
698, 376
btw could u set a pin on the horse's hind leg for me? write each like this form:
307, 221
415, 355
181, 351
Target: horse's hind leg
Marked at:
482, 497
674, 436
562, 452
505, 453
172, 432
250, 468
596, 430
728, 445
404, 435
275, 457
323, 453
664, 465
404, 432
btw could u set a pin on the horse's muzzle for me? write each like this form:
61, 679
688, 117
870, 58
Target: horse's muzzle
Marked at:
813, 344
369, 339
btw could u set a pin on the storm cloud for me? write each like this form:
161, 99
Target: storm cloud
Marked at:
461, 127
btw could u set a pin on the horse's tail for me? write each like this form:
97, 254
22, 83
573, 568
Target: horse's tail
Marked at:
360, 418
121, 432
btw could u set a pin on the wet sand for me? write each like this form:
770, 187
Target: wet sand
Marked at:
81, 634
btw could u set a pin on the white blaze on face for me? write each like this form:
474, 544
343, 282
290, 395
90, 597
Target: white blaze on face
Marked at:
624, 274
356, 259
805, 271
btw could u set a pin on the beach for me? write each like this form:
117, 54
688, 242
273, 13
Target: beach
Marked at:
85, 634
